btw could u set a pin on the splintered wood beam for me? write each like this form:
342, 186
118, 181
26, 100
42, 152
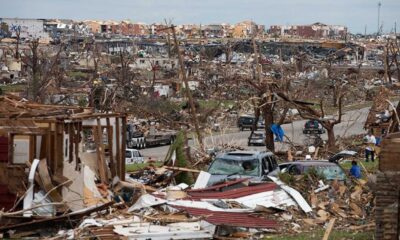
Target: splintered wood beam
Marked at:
329, 229
60, 152
100, 153
118, 145
123, 147
71, 133
77, 140
110, 147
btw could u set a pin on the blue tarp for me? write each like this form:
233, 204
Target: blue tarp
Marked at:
278, 132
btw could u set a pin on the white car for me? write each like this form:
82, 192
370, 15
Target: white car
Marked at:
133, 156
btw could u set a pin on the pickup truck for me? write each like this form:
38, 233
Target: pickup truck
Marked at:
133, 156
136, 139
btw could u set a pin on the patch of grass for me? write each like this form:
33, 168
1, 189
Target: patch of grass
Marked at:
13, 88
318, 234
209, 104
138, 166
77, 75
370, 166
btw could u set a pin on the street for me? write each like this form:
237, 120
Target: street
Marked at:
352, 123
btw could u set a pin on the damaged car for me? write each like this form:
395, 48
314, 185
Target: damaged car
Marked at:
329, 169
255, 165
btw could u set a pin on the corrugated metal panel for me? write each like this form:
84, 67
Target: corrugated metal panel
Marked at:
232, 219
221, 186
234, 193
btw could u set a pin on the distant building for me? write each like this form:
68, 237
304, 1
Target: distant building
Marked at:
28, 28
154, 62
93, 26
316, 30
213, 30
246, 29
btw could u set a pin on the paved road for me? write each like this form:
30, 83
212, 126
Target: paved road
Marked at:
352, 123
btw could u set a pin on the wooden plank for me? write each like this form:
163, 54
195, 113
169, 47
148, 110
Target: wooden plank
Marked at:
77, 140
60, 148
47, 185
48, 144
71, 133
100, 154
53, 158
43, 147
329, 229
123, 148
118, 145
32, 147
110, 147
183, 169
11, 148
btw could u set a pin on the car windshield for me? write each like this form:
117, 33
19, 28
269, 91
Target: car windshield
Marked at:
330, 172
222, 166
128, 154
257, 135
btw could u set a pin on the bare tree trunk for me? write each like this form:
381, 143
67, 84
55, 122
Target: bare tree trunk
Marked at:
268, 121
331, 137
193, 111
35, 84
18, 33
386, 63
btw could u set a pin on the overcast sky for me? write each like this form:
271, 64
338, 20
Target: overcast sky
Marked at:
355, 14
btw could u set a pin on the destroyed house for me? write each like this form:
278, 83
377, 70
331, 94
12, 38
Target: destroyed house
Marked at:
75, 149
379, 118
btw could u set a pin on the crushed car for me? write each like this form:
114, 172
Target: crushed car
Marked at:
255, 165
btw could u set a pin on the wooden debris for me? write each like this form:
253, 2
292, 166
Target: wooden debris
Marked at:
329, 229
183, 169
98, 133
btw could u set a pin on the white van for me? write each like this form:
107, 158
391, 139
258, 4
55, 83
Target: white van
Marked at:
133, 156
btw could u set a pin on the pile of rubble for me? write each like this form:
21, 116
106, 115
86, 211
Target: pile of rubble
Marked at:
147, 205
351, 203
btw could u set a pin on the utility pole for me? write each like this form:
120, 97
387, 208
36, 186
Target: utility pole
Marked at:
365, 31
379, 18
188, 93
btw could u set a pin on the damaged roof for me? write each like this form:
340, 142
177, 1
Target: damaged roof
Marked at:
232, 193
15, 107
231, 218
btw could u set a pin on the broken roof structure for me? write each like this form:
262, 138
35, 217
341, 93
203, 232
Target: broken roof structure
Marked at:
75, 148
378, 119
